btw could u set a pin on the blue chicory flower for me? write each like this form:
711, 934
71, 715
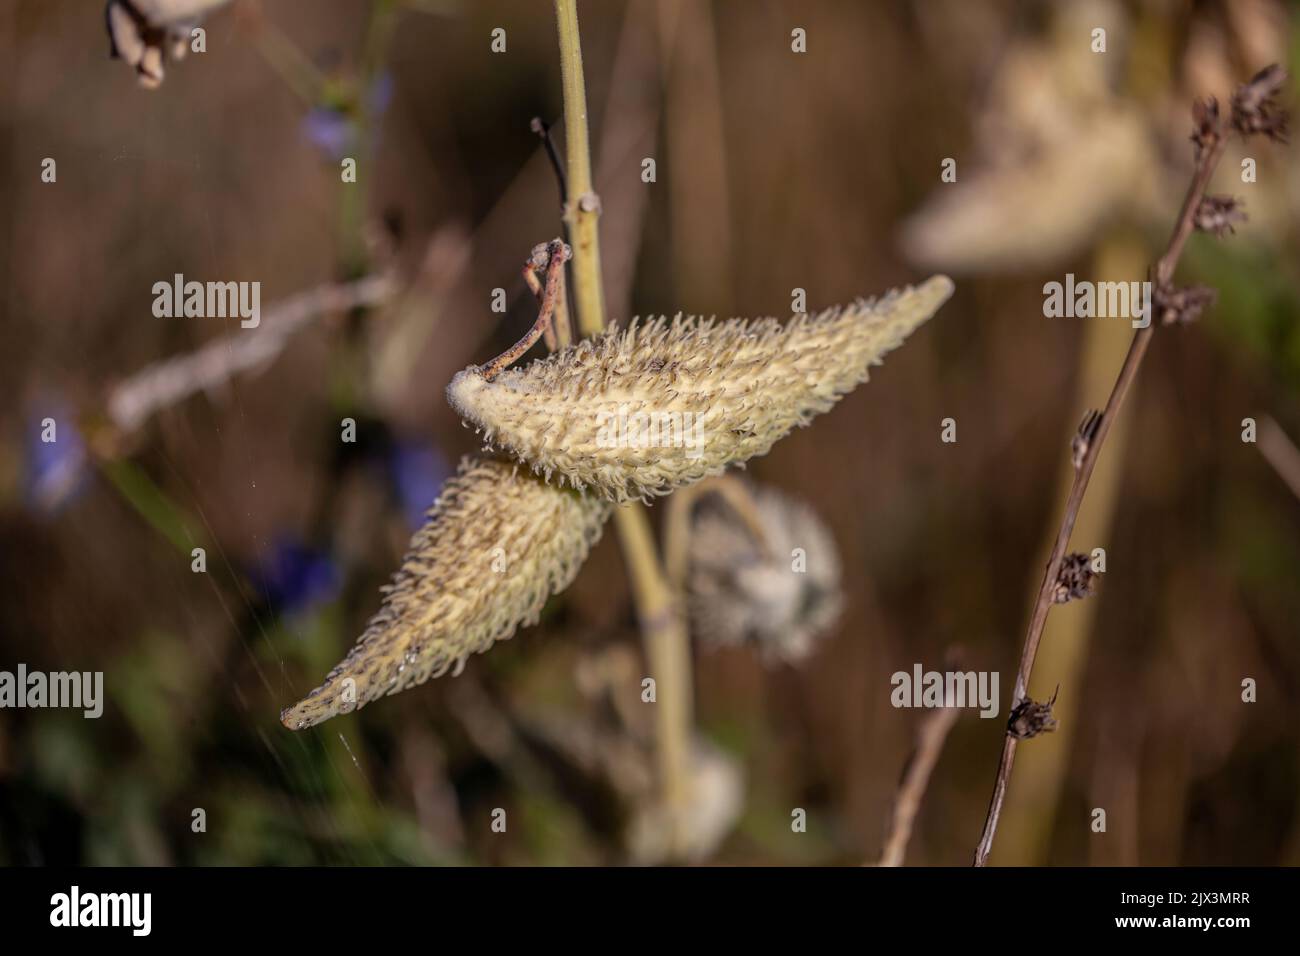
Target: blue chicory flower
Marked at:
418, 471
56, 472
298, 578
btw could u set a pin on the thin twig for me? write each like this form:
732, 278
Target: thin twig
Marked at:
557, 253
534, 284
543, 130
930, 737
297, 70
560, 333
165, 383
1280, 452
1137, 350
561, 325
1210, 139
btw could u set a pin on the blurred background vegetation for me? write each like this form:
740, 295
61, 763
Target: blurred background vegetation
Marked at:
775, 171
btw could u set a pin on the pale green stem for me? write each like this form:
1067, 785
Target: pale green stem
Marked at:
582, 211
658, 610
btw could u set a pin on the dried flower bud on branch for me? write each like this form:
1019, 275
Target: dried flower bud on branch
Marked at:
497, 543
1205, 114
1074, 580
1030, 718
1084, 437
1182, 306
1254, 109
637, 413
1219, 214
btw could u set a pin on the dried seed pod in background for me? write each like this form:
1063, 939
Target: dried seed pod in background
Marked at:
1058, 157
741, 590
715, 802
637, 413
1036, 213
139, 29
497, 543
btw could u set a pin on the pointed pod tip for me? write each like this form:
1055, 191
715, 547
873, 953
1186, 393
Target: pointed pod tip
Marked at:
289, 718
941, 285
928, 297
300, 716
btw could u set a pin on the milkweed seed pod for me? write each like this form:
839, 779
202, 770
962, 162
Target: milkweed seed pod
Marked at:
496, 544
779, 594
1036, 213
715, 801
1056, 159
636, 413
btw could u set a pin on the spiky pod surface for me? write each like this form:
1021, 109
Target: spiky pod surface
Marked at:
496, 544
636, 413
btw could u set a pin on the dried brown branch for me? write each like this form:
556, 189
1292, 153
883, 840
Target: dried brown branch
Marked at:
1253, 110
930, 737
163, 384
559, 333
1280, 452
543, 130
552, 256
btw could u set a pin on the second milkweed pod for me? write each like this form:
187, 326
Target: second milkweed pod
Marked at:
496, 544
780, 594
636, 413
138, 30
